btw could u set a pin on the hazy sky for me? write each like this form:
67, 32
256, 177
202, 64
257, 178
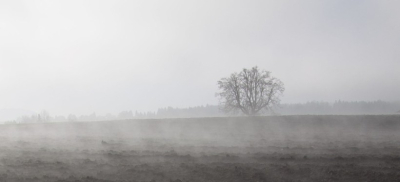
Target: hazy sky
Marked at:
109, 56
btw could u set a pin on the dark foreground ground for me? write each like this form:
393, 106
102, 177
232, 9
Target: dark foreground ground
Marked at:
281, 148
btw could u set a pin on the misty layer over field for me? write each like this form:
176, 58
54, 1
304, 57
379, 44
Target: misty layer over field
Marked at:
236, 149
242, 132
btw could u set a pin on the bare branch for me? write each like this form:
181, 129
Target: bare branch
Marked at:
249, 91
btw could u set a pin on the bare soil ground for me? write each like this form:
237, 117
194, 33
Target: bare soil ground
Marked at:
281, 148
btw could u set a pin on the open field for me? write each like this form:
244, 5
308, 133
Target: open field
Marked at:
276, 148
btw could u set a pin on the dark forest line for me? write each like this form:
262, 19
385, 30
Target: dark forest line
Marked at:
309, 108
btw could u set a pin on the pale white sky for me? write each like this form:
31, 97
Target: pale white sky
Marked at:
108, 56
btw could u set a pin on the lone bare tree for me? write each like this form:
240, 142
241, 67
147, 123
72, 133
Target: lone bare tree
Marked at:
251, 91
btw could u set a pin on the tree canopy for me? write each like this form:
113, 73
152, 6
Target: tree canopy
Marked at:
251, 91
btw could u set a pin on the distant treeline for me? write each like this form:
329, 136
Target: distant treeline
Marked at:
339, 108
309, 108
